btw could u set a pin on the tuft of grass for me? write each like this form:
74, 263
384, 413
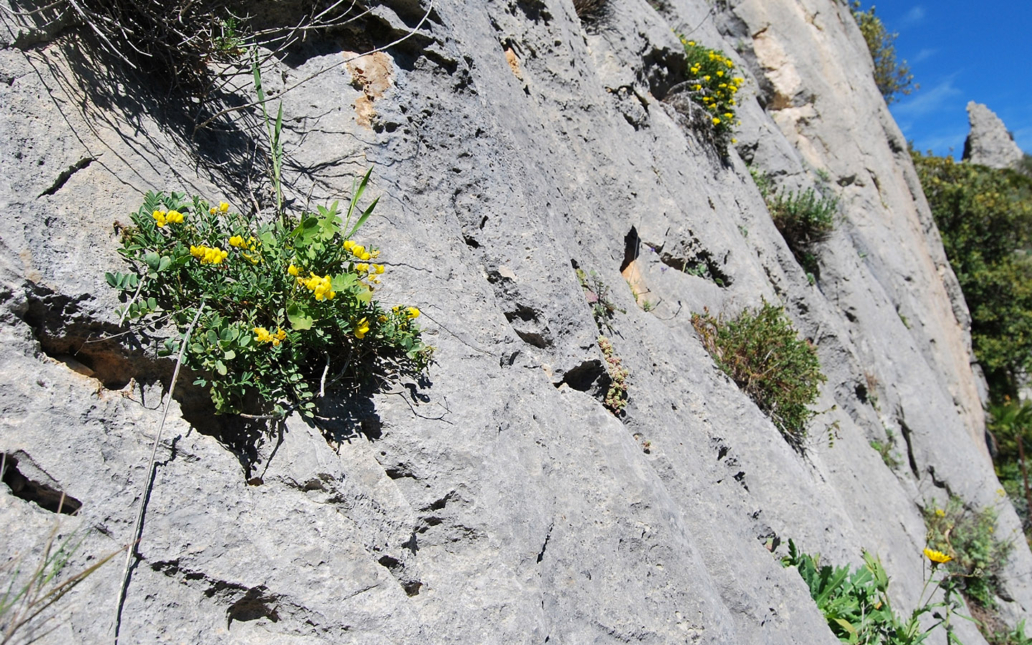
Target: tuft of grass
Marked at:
25, 598
763, 354
804, 219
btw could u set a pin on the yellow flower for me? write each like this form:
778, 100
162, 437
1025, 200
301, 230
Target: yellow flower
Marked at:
293, 270
361, 267
366, 256
361, 328
213, 210
412, 313
738, 80
375, 254
728, 115
716, 121
706, 78
223, 207
697, 87
937, 557
208, 255
379, 268
940, 513
174, 217
691, 43
159, 217
280, 334
237, 241
321, 287
349, 244
720, 72
734, 141
358, 249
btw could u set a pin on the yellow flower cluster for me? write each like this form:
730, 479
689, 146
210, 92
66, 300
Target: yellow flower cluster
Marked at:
321, 287
171, 217
360, 251
262, 335
712, 80
222, 208
208, 255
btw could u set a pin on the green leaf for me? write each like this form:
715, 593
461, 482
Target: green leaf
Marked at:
299, 318
211, 337
220, 367
113, 279
244, 340
229, 355
152, 260
163, 263
343, 281
364, 297
846, 625
229, 334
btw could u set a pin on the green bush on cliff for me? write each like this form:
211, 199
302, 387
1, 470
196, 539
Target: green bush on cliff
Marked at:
763, 354
804, 219
892, 77
985, 219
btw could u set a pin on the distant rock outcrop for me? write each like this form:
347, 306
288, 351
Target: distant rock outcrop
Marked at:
989, 143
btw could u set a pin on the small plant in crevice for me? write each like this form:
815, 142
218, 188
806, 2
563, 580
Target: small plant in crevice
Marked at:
762, 353
804, 219
289, 303
713, 85
1016, 636
616, 396
887, 450
976, 554
597, 293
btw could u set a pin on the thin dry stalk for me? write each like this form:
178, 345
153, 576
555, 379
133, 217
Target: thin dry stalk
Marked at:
150, 475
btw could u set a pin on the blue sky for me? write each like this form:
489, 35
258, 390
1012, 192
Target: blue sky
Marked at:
961, 51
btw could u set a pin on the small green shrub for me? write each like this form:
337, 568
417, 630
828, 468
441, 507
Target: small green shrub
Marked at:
892, 77
288, 304
712, 83
968, 537
762, 353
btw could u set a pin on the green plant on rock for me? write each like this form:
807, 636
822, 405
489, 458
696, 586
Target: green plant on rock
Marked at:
857, 606
288, 304
713, 84
892, 77
763, 354
976, 555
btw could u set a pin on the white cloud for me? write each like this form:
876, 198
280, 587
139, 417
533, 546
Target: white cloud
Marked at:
924, 54
912, 17
926, 101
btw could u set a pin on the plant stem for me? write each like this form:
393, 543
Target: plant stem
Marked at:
138, 524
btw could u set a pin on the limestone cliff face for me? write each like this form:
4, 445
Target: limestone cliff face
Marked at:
502, 503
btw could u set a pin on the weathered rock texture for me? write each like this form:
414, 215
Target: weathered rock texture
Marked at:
989, 143
502, 503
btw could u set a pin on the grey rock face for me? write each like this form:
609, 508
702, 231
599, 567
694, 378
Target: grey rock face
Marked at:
502, 503
989, 143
